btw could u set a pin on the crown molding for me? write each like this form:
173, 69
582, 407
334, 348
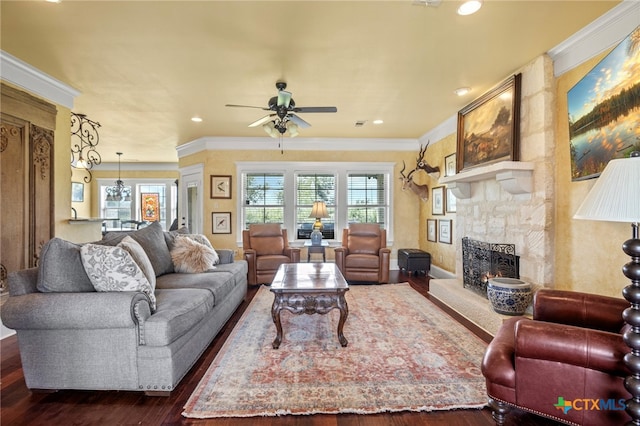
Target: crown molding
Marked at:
441, 131
31, 79
603, 33
215, 143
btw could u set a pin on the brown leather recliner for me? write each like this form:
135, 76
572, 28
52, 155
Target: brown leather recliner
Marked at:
364, 255
559, 363
266, 247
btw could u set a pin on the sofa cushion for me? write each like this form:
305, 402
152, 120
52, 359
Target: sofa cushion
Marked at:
61, 269
140, 257
113, 269
179, 310
190, 256
219, 282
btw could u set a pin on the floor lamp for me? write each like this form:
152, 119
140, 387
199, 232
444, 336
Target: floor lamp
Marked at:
615, 197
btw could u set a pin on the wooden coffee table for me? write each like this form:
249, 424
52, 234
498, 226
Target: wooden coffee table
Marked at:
309, 288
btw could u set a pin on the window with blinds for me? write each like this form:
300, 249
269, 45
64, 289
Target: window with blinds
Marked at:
311, 187
284, 193
367, 199
263, 198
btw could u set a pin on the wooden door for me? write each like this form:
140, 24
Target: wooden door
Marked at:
26, 179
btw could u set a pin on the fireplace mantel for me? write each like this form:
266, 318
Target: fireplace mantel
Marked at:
516, 177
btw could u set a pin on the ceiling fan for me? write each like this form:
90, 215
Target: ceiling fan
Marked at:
283, 116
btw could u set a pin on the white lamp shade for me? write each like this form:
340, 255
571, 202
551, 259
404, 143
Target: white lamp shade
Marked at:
615, 197
319, 210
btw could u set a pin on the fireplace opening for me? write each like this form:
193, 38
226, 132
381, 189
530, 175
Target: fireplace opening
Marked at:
482, 261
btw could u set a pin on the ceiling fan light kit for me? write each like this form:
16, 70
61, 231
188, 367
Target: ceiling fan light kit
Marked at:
283, 117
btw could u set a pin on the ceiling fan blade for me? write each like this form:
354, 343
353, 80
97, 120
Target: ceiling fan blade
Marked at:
284, 98
263, 120
246, 106
315, 109
299, 121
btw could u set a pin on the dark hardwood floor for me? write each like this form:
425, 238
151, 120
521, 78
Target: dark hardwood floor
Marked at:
20, 406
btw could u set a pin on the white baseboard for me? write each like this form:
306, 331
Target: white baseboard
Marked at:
440, 273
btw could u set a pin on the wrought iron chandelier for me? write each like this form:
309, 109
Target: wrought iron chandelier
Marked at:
85, 138
118, 192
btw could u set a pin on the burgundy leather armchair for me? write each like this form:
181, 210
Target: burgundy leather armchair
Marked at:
364, 255
265, 248
559, 363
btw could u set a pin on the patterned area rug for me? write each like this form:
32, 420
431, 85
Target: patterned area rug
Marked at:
404, 354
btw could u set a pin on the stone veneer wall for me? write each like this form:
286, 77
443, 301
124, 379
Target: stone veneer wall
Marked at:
526, 220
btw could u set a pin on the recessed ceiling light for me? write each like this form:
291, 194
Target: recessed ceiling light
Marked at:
54, 1
461, 91
469, 7
378, 121
196, 119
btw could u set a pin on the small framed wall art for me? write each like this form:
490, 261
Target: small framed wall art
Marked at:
220, 186
77, 192
450, 201
437, 201
450, 164
432, 231
221, 223
149, 203
444, 234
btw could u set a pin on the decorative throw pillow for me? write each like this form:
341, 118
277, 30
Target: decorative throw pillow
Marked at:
151, 238
60, 268
192, 257
140, 257
113, 269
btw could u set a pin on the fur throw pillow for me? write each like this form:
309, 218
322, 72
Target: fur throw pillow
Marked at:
192, 257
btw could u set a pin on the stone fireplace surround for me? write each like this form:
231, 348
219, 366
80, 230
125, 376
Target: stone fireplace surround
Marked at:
489, 210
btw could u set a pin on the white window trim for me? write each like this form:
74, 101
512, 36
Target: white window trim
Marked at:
291, 168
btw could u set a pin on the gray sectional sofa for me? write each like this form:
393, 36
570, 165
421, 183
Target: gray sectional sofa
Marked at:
73, 337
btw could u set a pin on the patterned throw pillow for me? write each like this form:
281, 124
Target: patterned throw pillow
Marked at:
192, 257
140, 257
113, 269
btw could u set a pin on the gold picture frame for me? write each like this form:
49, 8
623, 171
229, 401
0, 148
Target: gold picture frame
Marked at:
489, 127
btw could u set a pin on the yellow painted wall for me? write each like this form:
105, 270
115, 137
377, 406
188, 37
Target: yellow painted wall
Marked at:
222, 162
442, 255
588, 253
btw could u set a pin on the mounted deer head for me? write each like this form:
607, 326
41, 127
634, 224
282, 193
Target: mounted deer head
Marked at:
422, 165
421, 191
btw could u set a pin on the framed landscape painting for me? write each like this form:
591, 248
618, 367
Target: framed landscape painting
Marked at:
604, 111
489, 127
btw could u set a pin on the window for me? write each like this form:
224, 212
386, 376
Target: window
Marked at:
263, 195
312, 187
367, 198
284, 192
129, 208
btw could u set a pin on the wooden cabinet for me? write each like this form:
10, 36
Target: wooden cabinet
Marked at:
26, 178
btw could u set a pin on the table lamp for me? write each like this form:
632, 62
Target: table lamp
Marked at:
319, 211
615, 197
